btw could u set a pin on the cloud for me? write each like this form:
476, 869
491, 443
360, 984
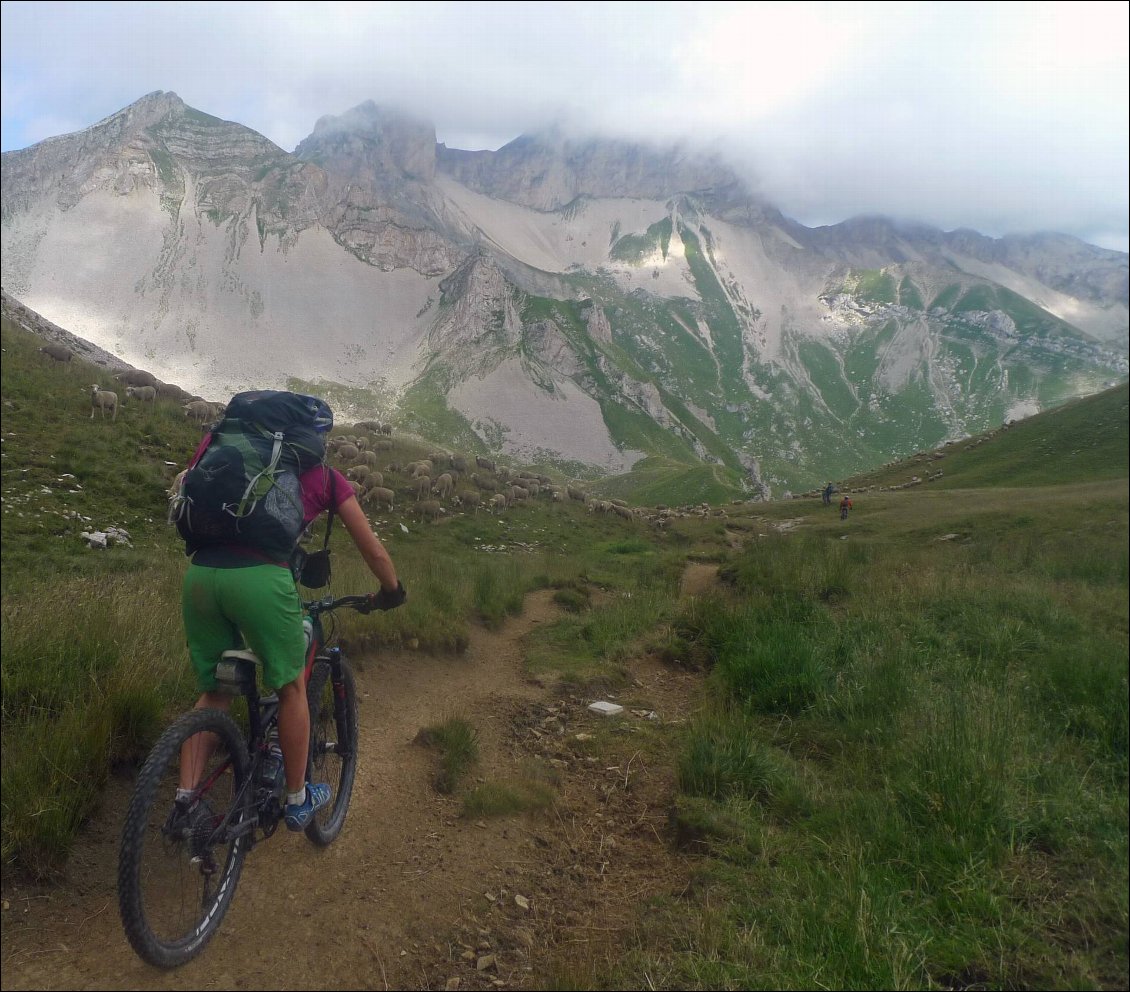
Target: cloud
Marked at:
995, 116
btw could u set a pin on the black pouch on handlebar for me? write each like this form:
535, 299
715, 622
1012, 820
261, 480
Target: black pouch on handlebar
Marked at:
314, 570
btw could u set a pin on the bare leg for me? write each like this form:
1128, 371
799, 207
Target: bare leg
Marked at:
196, 752
294, 733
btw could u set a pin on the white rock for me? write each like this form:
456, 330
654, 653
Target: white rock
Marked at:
605, 708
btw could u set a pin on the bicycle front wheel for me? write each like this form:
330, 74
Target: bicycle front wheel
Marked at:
333, 745
179, 863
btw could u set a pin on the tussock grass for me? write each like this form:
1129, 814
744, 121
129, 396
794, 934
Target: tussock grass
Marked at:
458, 744
532, 788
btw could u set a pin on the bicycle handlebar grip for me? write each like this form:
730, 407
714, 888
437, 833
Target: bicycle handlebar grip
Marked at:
385, 600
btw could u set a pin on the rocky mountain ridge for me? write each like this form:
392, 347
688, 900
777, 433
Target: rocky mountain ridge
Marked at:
592, 302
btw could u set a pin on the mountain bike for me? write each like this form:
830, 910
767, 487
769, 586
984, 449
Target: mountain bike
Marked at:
180, 859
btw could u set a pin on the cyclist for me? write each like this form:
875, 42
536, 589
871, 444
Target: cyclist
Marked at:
233, 596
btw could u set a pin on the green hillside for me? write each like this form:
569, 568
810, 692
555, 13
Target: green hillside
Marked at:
890, 751
1084, 440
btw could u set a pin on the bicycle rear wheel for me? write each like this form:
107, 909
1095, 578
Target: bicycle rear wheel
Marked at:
333, 745
178, 864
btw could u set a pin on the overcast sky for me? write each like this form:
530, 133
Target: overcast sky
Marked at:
1002, 117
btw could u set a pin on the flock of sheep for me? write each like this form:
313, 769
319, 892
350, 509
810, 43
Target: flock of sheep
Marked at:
459, 481
462, 482
144, 387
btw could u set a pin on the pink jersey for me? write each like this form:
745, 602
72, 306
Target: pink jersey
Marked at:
323, 488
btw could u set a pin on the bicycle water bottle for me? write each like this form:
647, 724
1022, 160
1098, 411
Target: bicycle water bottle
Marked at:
308, 630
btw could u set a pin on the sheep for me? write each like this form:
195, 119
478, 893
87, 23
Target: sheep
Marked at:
443, 486
469, 500
423, 486
57, 352
143, 394
359, 473
486, 463
369, 458
623, 511
103, 399
429, 509
347, 452
173, 392
575, 493
496, 502
380, 496
136, 377
370, 482
200, 410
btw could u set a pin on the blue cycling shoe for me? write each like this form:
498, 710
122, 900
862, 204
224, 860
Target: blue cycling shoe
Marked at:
299, 815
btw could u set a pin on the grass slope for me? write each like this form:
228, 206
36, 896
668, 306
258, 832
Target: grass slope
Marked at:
1084, 439
908, 765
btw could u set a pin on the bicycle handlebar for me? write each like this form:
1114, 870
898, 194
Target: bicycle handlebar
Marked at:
362, 604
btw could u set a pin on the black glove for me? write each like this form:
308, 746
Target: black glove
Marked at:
385, 600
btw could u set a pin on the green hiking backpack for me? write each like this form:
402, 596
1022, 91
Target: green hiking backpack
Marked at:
243, 490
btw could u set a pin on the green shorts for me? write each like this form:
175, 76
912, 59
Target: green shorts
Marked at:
255, 607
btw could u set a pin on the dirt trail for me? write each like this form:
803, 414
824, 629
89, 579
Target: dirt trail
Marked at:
412, 895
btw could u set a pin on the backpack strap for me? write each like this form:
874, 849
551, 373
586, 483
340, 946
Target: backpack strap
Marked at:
333, 503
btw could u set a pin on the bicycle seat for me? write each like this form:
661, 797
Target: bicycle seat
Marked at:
236, 669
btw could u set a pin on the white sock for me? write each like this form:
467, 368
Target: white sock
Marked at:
296, 798
184, 794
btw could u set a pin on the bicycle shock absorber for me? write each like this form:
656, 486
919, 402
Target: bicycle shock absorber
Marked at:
272, 771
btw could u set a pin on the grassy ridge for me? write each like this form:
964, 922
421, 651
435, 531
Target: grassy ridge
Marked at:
1084, 439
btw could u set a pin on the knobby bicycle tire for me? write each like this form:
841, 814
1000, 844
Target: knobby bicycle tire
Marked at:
333, 746
177, 868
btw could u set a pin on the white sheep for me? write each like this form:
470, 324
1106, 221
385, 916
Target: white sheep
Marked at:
469, 501
443, 486
103, 399
429, 509
380, 496
201, 410
144, 394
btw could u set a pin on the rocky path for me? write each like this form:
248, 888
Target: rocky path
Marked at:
412, 895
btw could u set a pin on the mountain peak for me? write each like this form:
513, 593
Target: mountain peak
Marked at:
548, 169
374, 142
145, 112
